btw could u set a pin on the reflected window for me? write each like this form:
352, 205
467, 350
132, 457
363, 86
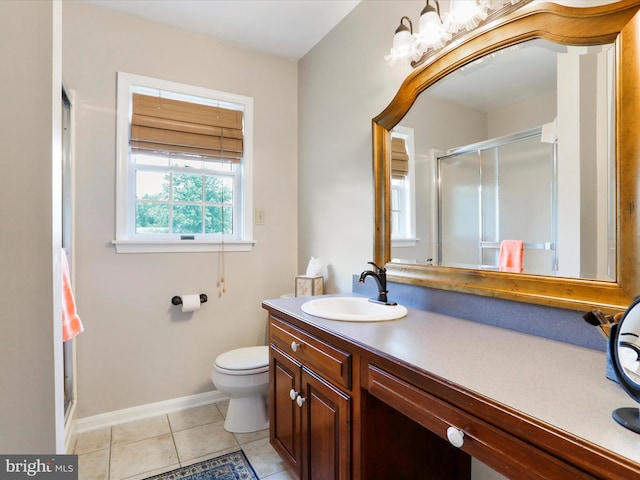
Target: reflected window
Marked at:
403, 215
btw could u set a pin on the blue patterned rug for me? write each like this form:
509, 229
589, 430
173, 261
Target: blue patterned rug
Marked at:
232, 466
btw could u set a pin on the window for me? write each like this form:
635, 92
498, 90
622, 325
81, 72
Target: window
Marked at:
402, 188
184, 168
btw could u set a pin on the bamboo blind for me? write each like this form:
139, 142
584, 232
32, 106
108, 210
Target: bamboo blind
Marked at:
399, 158
179, 127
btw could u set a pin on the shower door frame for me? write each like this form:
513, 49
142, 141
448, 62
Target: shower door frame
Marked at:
477, 148
68, 348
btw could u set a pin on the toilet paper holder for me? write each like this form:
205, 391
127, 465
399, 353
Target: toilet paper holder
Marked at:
177, 300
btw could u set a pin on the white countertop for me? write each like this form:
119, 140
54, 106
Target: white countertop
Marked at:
560, 384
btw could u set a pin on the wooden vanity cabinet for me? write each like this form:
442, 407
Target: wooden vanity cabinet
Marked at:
341, 410
310, 403
396, 447
509, 455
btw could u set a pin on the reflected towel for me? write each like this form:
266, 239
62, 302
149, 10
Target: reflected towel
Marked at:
71, 324
511, 256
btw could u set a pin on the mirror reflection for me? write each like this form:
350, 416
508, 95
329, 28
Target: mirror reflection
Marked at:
509, 164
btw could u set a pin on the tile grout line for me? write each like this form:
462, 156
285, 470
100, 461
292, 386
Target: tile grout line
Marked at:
109, 456
173, 439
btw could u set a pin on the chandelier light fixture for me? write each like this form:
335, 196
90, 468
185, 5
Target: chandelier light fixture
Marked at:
432, 33
435, 31
404, 46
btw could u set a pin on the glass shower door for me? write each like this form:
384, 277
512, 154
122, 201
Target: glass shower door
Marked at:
527, 201
503, 189
459, 211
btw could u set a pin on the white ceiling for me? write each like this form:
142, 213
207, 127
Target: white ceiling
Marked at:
508, 76
287, 28
290, 28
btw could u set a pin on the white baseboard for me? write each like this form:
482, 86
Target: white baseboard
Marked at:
145, 411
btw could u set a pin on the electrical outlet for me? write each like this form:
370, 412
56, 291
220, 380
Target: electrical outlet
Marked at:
259, 216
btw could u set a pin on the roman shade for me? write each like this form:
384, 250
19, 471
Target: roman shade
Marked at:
399, 158
167, 126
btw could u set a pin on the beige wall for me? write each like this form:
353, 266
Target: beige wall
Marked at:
344, 83
137, 348
30, 406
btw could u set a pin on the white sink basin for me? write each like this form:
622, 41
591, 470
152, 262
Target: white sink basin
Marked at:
352, 309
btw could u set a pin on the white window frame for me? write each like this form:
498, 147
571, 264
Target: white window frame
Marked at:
126, 241
406, 236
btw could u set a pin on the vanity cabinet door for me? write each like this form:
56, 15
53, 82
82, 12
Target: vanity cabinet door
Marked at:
284, 412
326, 429
310, 418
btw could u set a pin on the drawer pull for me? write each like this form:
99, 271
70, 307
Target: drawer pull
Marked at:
293, 394
455, 436
295, 346
300, 400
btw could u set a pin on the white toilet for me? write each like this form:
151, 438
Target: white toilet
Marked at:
243, 376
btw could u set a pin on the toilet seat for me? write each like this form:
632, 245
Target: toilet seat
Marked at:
243, 361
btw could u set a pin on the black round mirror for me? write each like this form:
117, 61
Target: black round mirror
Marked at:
624, 347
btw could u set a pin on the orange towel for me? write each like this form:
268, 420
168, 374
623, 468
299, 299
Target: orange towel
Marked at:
71, 324
511, 256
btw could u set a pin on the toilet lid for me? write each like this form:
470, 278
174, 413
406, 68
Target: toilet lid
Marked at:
248, 358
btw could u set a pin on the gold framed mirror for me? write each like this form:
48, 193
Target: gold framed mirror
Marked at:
617, 23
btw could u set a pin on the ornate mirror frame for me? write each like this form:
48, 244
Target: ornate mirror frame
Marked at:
617, 22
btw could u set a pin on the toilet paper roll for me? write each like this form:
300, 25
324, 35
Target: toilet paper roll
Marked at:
190, 303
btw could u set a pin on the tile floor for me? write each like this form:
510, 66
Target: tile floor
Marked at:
143, 448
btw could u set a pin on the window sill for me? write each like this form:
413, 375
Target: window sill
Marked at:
404, 242
181, 246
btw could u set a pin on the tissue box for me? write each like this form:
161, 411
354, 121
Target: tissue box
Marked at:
306, 286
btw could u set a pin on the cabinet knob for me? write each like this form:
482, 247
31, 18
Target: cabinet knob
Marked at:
295, 346
300, 400
455, 436
293, 394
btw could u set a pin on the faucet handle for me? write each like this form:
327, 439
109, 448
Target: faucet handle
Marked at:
379, 270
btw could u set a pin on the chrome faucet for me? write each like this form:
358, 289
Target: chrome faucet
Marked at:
380, 275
